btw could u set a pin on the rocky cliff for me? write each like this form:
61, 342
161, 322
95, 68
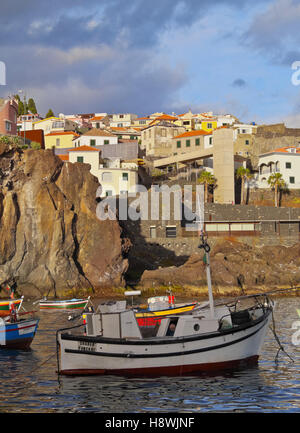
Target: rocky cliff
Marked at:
51, 242
236, 268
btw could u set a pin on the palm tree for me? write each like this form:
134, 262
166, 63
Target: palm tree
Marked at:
245, 175
207, 179
276, 181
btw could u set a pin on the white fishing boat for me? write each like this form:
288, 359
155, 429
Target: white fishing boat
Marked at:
209, 338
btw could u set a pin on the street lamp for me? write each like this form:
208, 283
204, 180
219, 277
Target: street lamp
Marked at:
22, 91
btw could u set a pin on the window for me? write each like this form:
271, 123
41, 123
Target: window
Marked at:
121, 116
57, 141
125, 176
171, 231
58, 125
79, 158
120, 125
107, 176
197, 142
188, 143
246, 141
163, 132
186, 122
93, 142
209, 125
288, 165
292, 179
210, 140
8, 126
178, 144
152, 231
108, 193
106, 141
97, 125
142, 122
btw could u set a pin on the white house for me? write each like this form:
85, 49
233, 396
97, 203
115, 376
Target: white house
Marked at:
243, 128
120, 120
285, 160
96, 137
115, 176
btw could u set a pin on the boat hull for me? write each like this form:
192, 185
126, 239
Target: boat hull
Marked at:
18, 335
217, 351
4, 306
63, 305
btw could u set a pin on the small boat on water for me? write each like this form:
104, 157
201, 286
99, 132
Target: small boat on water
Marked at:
157, 308
17, 335
5, 306
17, 331
67, 304
209, 338
151, 316
182, 344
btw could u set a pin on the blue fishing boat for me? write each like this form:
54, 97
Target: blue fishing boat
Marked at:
16, 330
18, 335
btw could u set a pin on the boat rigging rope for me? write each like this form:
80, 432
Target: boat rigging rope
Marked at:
278, 341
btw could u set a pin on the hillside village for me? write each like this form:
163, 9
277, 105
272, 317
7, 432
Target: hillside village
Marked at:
250, 173
168, 146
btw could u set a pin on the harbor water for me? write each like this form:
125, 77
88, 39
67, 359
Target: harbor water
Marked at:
30, 384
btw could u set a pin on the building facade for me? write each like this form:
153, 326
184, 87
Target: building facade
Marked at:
96, 137
60, 140
8, 116
284, 160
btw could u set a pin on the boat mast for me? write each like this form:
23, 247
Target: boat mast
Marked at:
206, 260
204, 244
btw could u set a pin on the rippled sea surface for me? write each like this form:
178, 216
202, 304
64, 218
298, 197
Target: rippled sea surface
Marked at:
29, 381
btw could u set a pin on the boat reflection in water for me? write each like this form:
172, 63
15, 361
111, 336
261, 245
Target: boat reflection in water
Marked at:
209, 338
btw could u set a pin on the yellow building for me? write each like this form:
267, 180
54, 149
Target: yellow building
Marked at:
209, 125
55, 124
60, 140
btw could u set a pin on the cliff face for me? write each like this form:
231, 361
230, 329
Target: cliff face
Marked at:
51, 241
235, 268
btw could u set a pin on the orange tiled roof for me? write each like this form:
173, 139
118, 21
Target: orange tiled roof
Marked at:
62, 133
164, 117
285, 149
119, 128
84, 149
95, 118
64, 157
193, 133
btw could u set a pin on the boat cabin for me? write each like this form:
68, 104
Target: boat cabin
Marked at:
113, 320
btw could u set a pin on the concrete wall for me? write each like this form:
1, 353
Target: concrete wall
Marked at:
224, 165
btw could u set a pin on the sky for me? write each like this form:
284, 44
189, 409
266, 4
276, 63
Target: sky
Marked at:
142, 56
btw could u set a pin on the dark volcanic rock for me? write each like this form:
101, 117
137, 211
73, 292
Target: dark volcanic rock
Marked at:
234, 265
51, 241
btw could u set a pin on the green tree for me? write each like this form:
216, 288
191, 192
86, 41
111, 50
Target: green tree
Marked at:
31, 106
276, 181
207, 179
50, 113
245, 175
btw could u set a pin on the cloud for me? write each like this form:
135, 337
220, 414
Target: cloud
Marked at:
239, 82
101, 56
275, 32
